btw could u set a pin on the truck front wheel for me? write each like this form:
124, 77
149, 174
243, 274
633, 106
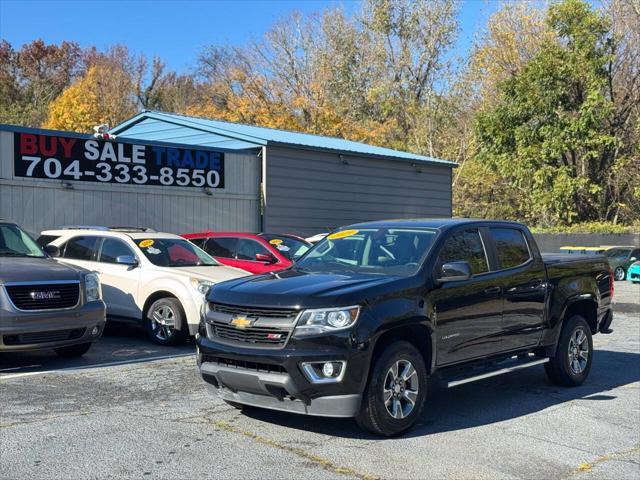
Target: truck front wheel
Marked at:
394, 397
572, 362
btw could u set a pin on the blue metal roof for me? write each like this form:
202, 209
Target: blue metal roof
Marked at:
169, 127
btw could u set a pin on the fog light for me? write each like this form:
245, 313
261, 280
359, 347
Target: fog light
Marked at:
327, 369
324, 372
95, 331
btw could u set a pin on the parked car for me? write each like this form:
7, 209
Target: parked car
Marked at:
357, 331
252, 252
45, 304
620, 259
633, 272
157, 279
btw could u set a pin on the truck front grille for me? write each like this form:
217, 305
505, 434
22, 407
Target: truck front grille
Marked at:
43, 337
253, 311
242, 365
258, 336
44, 296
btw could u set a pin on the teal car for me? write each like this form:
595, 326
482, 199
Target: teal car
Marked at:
620, 259
633, 272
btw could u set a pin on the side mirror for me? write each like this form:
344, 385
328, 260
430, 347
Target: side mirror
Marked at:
263, 257
633, 259
51, 250
455, 272
128, 260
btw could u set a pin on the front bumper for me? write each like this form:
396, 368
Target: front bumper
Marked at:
273, 378
38, 330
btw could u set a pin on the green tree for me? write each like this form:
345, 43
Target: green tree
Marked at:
551, 136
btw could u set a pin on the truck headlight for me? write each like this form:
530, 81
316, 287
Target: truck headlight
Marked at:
202, 286
92, 287
313, 322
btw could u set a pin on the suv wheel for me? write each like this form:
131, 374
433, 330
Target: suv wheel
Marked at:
73, 350
165, 322
572, 362
394, 397
618, 274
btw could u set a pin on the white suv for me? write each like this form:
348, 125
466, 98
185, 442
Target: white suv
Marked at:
158, 278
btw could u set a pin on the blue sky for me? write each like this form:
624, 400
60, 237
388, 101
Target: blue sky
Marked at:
176, 31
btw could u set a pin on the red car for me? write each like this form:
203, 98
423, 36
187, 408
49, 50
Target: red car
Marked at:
253, 252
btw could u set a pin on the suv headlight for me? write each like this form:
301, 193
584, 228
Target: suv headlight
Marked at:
313, 322
202, 286
92, 287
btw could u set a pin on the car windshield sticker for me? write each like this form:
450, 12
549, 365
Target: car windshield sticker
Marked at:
145, 243
342, 234
275, 241
283, 248
153, 250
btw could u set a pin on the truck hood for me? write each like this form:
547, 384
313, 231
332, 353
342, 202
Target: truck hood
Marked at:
215, 274
295, 289
33, 269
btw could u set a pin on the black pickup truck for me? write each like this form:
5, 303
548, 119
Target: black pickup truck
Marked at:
357, 326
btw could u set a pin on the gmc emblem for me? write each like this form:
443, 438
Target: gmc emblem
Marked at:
47, 295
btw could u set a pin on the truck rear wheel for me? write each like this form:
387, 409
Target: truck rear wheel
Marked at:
572, 362
394, 397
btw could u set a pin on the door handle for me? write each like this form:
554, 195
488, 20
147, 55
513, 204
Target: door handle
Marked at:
536, 282
492, 290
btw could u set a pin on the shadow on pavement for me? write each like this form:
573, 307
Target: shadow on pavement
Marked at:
120, 343
485, 402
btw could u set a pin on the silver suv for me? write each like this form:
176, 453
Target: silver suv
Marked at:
45, 304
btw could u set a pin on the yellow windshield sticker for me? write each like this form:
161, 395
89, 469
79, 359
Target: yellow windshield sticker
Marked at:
342, 234
275, 241
145, 243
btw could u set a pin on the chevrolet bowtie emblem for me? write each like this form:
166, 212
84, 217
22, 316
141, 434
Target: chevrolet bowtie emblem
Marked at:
241, 322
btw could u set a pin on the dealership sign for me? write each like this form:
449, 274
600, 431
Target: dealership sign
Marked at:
92, 160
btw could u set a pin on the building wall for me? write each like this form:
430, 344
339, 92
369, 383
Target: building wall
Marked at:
308, 192
43, 204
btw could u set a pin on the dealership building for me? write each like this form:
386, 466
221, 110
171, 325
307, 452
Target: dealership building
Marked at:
184, 174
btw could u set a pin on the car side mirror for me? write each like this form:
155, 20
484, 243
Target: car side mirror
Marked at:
128, 260
633, 259
455, 272
263, 257
51, 250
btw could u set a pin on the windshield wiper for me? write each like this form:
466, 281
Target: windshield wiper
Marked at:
16, 254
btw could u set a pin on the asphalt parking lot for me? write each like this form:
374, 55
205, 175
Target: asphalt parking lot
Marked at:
130, 409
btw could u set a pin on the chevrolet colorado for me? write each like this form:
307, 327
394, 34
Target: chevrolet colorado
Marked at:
357, 326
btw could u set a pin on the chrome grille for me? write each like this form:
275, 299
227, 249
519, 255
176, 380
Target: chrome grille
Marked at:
44, 296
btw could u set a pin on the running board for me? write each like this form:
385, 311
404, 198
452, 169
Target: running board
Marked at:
495, 373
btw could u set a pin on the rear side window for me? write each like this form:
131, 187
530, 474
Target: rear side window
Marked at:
511, 247
464, 246
198, 242
112, 248
44, 240
81, 248
221, 247
247, 249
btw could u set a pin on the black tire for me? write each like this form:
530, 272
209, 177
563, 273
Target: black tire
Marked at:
561, 369
619, 274
73, 350
174, 329
374, 415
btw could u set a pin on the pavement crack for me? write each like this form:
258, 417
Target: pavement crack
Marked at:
615, 456
309, 457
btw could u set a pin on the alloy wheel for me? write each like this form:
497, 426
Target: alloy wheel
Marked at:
618, 274
163, 322
400, 389
578, 351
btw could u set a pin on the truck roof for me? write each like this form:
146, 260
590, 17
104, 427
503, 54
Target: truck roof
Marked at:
439, 223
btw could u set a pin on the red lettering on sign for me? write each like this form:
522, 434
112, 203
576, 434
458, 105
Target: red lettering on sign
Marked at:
53, 144
28, 144
67, 145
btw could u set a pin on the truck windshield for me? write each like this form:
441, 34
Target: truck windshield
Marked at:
389, 251
16, 243
173, 252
